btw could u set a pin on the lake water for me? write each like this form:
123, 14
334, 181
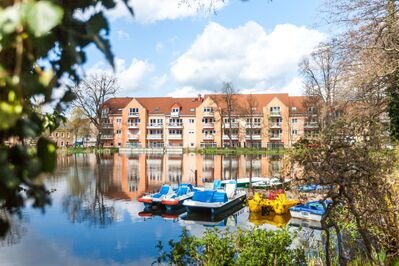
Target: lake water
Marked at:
95, 218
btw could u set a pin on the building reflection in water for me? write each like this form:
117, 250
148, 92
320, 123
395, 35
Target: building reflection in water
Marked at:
133, 175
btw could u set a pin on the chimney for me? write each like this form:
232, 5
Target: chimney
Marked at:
199, 98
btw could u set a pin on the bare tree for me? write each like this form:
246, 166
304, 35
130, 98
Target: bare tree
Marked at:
228, 109
78, 123
91, 94
322, 73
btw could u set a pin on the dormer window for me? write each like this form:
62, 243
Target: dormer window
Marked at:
293, 108
175, 110
133, 111
207, 109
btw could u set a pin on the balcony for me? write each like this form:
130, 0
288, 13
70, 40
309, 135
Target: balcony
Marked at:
174, 114
155, 136
133, 114
175, 137
254, 125
275, 125
231, 125
208, 125
254, 137
275, 137
107, 136
233, 137
275, 113
311, 125
133, 136
132, 125
208, 114
155, 125
208, 137
175, 125
107, 125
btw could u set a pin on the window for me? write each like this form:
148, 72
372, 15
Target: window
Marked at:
56, 135
104, 112
68, 136
294, 132
118, 120
191, 132
293, 108
311, 109
62, 135
175, 131
275, 109
175, 110
253, 109
118, 131
191, 121
294, 120
133, 111
207, 109
192, 144
192, 109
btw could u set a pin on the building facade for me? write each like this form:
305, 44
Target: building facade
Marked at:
258, 120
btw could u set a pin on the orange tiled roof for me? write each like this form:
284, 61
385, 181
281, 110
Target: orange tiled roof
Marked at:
163, 105
116, 104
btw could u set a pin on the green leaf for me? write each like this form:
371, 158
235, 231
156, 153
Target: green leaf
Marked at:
42, 16
46, 150
9, 19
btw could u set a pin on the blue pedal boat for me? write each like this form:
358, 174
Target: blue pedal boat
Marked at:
313, 210
173, 201
217, 200
156, 198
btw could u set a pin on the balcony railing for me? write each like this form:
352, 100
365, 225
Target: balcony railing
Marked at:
133, 114
154, 136
254, 125
232, 125
132, 125
275, 113
208, 137
208, 113
174, 114
275, 137
226, 137
208, 125
254, 137
155, 125
175, 125
275, 125
107, 136
133, 136
311, 125
107, 125
175, 136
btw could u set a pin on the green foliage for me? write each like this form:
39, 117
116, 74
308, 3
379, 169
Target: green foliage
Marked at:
255, 247
42, 43
240, 151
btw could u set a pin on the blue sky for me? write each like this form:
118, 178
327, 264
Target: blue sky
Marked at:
170, 49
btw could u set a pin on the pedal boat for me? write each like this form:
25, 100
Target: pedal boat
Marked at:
173, 201
313, 210
216, 201
155, 199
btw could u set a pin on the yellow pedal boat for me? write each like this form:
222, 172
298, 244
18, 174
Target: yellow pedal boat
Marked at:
279, 205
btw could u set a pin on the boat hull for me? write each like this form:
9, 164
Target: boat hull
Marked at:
306, 215
213, 209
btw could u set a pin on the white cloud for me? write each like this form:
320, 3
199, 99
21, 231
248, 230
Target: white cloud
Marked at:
248, 56
159, 47
187, 91
157, 82
131, 78
147, 11
123, 35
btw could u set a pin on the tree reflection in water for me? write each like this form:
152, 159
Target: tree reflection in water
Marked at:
14, 230
86, 202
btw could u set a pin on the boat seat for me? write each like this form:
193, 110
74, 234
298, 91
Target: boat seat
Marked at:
219, 197
182, 191
165, 189
217, 184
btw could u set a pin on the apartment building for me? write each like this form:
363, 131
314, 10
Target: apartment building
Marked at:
259, 120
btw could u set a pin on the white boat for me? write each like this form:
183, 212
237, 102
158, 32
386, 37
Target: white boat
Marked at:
217, 200
244, 182
271, 183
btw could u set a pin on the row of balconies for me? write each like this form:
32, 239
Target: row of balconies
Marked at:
180, 136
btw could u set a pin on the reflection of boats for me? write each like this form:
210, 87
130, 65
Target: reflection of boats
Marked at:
271, 183
305, 223
275, 202
217, 200
313, 210
168, 197
221, 219
244, 182
278, 220
167, 215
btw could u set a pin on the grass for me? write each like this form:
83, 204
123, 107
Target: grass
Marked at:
240, 151
73, 150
